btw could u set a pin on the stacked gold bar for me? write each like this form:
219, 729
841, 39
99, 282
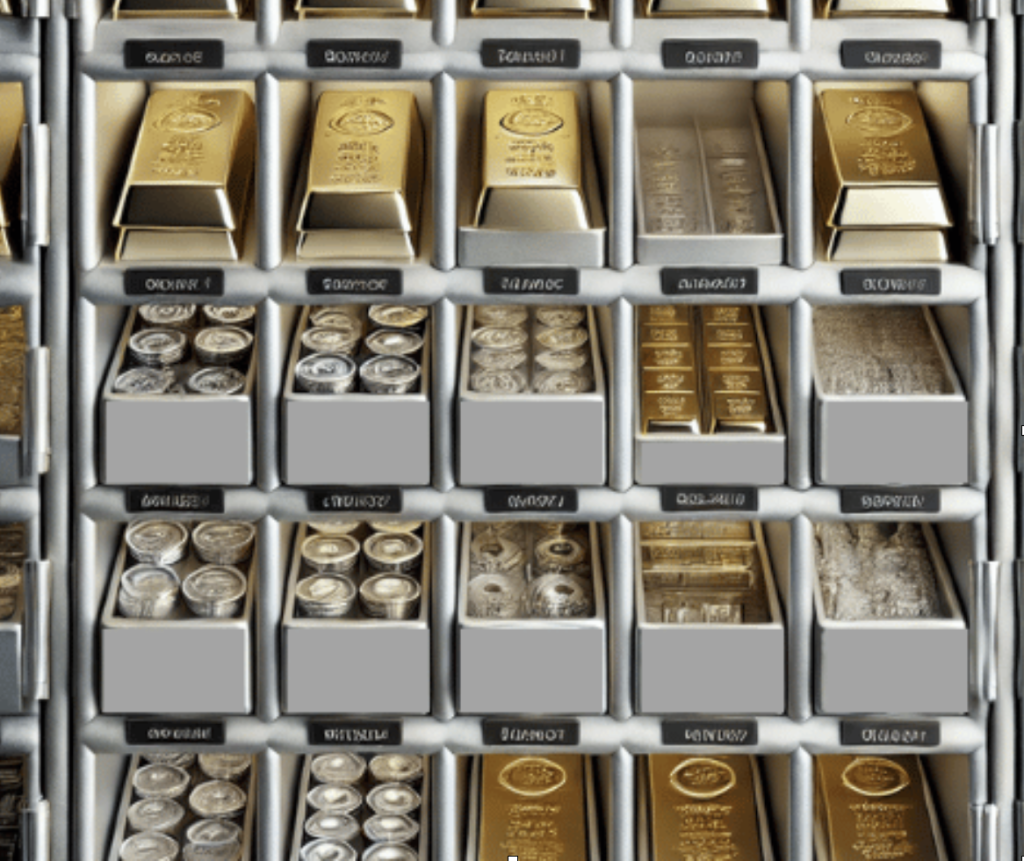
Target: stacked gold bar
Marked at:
724, 392
878, 185
874, 807
533, 807
707, 8
703, 807
356, 9
188, 187
128, 9
704, 572
13, 345
12, 119
364, 177
530, 8
884, 8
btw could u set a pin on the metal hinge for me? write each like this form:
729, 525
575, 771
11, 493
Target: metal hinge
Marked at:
36, 658
986, 191
35, 175
36, 444
986, 602
35, 828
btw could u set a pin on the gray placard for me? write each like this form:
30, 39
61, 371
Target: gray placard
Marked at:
891, 54
530, 53
711, 281
891, 282
700, 498
880, 733
511, 732
713, 733
710, 54
871, 500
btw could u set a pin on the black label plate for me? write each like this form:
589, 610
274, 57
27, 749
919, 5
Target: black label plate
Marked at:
891, 282
386, 733
174, 282
860, 733
703, 280
711, 733
547, 281
354, 54
891, 54
507, 732
387, 500
508, 500
202, 500
174, 54
160, 732
702, 498
871, 500
710, 54
354, 282
530, 53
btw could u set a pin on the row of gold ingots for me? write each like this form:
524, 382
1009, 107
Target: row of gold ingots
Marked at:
188, 187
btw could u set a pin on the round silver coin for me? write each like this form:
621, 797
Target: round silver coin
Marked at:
323, 339
156, 814
337, 554
561, 316
326, 595
409, 526
398, 316
560, 552
393, 551
561, 383
181, 760
389, 375
563, 338
336, 317
345, 768
500, 315
336, 826
148, 592
160, 781
144, 381
222, 345
500, 360
226, 542
390, 596
328, 849
149, 846
213, 832
560, 596
389, 828
396, 767
161, 315
562, 360
215, 591
10, 579
335, 527
500, 338
217, 799
390, 852
156, 542
393, 342
242, 316
325, 373
335, 798
399, 799
495, 596
224, 766
498, 382
217, 381
491, 552
158, 348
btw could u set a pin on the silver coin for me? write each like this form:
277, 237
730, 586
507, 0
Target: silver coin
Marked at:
181, 760
561, 383
500, 360
393, 342
562, 360
399, 799
326, 595
390, 852
224, 766
337, 826
559, 596
495, 596
213, 832
396, 767
160, 781
144, 381
498, 382
158, 347
335, 527
222, 345
390, 596
500, 338
217, 381
398, 316
409, 526
10, 578
500, 315
242, 316
388, 828
560, 551
328, 849
157, 542
149, 846
561, 316
226, 542
148, 592
393, 551
335, 798
325, 373
156, 814
225, 852
215, 591
345, 768
337, 318
336, 554
563, 338
161, 315
323, 339
217, 799
389, 374
492, 552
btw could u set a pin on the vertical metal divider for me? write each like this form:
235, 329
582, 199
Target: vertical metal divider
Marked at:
444, 621
801, 14
620, 397
621, 15
800, 620
271, 348
445, 14
267, 651
445, 802
621, 614
623, 789
445, 172
270, 820
801, 430
269, 20
800, 215
444, 393
980, 467
801, 806
620, 223
269, 202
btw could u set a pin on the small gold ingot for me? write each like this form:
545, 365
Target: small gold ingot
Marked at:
667, 357
736, 382
673, 554
12, 119
884, 8
668, 380
129, 9
719, 335
873, 161
679, 413
884, 246
356, 9
732, 413
665, 314
659, 334
734, 530
732, 359
726, 314
530, 8
532, 162
13, 345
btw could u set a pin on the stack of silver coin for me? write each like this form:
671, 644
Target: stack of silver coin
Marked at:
336, 355
357, 810
187, 807
531, 570
12, 561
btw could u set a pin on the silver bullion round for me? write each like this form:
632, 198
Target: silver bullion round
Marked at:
563, 337
156, 542
323, 339
225, 852
562, 360
398, 316
393, 342
325, 373
326, 595
148, 592
335, 798
397, 798
561, 316
492, 552
226, 542
242, 316
210, 833
338, 554
500, 337
389, 375
171, 757
222, 345
144, 381
390, 828
156, 814
167, 316
158, 348
498, 382
224, 766
160, 781
393, 551
149, 846
559, 596
390, 596
10, 578
337, 318
328, 849
215, 591
345, 768
561, 383
390, 852
560, 551
217, 381
495, 596
217, 799
500, 360
396, 767
335, 527
409, 526
500, 315
337, 826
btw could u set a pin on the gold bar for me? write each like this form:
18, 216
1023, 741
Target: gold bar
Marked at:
13, 345
736, 382
533, 807
665, 314
703, 806
681, 358
532, 162
192, 167
659, 334
732, 359
884, 8
677, 413
721, 335
737, 530
726, 314
356, 9
192, 245
526, 8
732, 413
882, 246
873, 161
707, 578
698, 8
128, 9
668, 381
874, 807
12, 119
364, 177
673, 553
